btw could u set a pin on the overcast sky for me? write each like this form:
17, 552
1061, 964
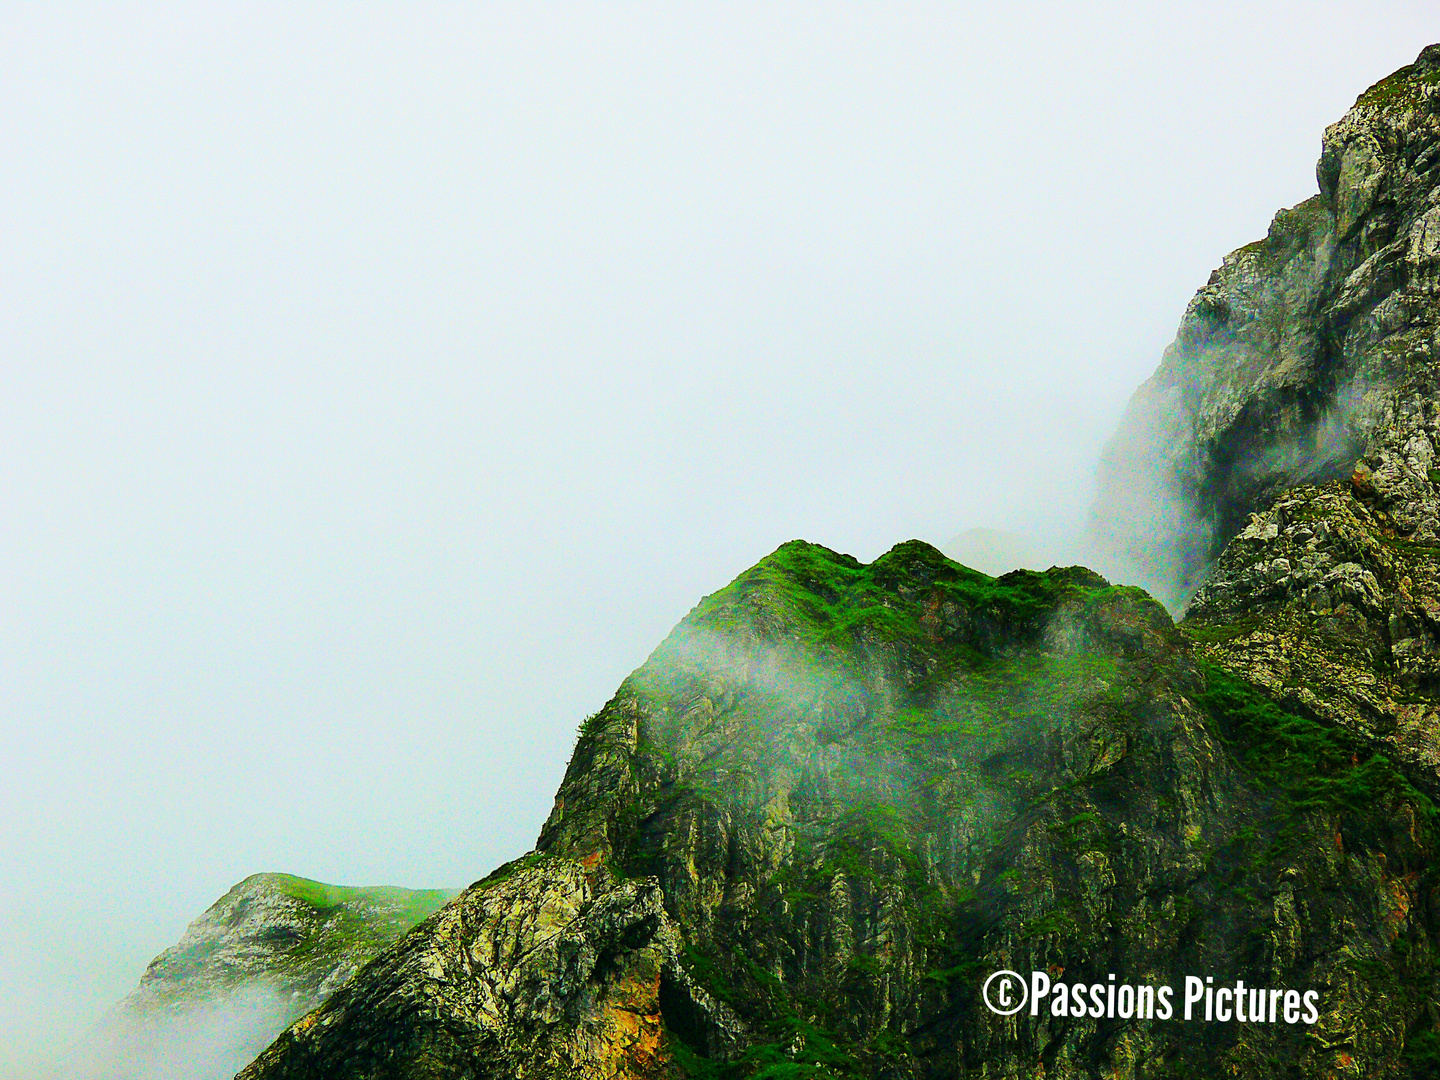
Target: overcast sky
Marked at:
380, 383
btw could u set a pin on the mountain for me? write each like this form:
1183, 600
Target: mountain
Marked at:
1306, 353
266, 953
840, 800
838, 795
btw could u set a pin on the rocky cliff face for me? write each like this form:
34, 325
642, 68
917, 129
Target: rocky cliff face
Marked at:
1305, 351
799, 838
267, 952
1292, 434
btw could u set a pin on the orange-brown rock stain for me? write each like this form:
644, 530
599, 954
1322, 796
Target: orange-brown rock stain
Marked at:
1398, 911
638, 1042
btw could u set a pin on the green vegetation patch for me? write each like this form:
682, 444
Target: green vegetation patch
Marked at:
1217, 633
1410, 547
1422, 1055
791, 1043
1404, 87
505, 871
408, 905
1315, 765
826, 598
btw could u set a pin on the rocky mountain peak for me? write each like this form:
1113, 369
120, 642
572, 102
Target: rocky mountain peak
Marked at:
840, 796
1304, 352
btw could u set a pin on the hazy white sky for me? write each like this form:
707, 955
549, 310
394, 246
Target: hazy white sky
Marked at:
381, 382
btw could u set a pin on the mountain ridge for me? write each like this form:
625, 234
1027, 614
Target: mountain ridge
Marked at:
839, 796
838, 793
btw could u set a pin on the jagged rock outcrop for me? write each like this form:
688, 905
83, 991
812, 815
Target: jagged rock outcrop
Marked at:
1326, 602
549, 967
1291, 437
267, 952
1306, 351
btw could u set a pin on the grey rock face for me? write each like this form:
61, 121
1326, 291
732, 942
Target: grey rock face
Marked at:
1304, 351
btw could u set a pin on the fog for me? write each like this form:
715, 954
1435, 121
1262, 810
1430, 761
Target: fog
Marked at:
382, 382
211, 1041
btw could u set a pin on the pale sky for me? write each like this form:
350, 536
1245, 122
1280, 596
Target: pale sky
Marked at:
381, 382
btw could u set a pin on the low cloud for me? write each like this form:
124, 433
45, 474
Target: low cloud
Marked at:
212, 1041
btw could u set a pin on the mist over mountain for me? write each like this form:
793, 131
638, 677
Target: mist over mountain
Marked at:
998, 551
841, 798
266, 953
382, 384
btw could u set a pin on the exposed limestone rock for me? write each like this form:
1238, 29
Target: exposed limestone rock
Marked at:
1305, 351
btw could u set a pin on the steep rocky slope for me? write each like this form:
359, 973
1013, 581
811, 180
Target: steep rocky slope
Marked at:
1290, 439
268, 951
1306, 351
802, 835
